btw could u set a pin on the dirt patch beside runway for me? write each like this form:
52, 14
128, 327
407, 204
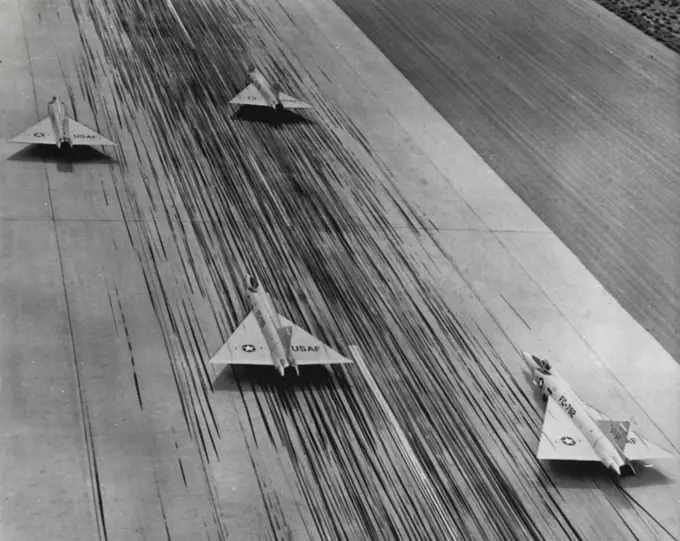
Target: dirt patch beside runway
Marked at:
659, 19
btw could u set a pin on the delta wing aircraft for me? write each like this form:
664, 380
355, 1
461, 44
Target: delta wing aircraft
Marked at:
260, 93
573, 430
58, 129
265, 337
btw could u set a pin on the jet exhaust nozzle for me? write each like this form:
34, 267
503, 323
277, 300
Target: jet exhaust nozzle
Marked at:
64, 143
627, 470
614, 467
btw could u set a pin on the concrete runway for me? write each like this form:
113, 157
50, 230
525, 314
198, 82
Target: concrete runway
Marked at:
576, 110
121, 277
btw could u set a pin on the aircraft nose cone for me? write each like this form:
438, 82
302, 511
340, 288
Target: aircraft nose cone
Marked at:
529, 361
251, 283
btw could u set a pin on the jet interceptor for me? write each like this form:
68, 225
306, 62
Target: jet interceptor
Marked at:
260, 93
573, 430
265, 337
58, 129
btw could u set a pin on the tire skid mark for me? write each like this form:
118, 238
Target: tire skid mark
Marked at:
129, 345
159, 494
319, 463
275, 516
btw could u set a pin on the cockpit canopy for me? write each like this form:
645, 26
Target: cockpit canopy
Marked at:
252, 284
543, 365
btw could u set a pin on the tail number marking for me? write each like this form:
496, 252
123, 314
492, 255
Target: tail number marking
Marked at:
260, 318
567, 407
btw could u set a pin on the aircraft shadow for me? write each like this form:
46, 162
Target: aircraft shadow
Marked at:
62, 157
572, 473
646, 476
266, 115
579, 475
232, 378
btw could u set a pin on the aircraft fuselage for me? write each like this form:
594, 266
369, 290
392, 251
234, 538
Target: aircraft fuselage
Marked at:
57, 113
268, 320
270, 94
553, 385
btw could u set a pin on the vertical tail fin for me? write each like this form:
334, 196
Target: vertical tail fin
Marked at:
285, 335
616, 431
